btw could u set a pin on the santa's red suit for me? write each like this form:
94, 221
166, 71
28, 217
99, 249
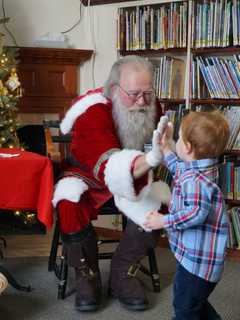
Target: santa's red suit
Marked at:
105, 169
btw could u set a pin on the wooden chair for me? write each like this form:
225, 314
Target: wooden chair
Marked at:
58, 263
32, 137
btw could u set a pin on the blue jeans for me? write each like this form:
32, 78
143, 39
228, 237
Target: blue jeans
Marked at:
190, 297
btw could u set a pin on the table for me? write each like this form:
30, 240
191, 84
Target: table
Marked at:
26, 183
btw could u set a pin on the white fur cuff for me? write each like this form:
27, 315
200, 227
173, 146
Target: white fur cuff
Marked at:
152, 160
137, 211
118, 175
79, 108
69, 188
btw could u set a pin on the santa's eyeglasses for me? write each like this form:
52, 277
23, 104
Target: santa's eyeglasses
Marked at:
136, 95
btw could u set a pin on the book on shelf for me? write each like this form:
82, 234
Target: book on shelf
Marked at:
232, 239
236, 189
156, 26
177, 79
207, 77
230, 180
232, 114
199, 88
235, 218
236, 143
221, 75
215, 23
223, 179
170, 78
175, 114
229, 177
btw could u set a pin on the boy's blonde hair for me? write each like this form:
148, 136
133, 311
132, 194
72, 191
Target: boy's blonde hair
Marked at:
207, 132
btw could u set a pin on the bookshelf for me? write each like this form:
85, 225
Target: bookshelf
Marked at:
215, 48
154, 31
205, 35
101, 2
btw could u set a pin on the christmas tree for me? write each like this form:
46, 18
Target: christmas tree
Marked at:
10, 92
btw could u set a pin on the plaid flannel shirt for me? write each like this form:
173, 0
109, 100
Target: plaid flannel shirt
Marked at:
197, 223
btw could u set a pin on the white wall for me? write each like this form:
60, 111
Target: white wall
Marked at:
30, 19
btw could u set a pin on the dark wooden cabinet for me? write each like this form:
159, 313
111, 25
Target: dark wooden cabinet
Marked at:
49, 78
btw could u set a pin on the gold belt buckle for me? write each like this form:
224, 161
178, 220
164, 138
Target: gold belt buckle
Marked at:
133, 270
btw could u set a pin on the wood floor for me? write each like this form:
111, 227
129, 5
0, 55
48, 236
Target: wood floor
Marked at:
39, 245
27, 245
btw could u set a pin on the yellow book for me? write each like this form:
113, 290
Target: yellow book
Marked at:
177, 79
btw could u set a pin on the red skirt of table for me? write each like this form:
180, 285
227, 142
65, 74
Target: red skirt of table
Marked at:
27, 183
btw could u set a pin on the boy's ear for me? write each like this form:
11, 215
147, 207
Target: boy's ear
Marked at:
189, 148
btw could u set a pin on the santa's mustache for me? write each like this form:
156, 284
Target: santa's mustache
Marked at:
139, 108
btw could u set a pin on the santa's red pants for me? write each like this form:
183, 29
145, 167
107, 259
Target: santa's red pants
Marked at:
73, 217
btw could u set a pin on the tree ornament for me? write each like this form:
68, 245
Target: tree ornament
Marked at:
13, 82
3, 89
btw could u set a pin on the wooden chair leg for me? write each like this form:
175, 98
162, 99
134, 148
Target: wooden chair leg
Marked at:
59, 267
154, 270
62, 276
3, 241
54, 248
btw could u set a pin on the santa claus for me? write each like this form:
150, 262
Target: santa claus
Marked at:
109, 128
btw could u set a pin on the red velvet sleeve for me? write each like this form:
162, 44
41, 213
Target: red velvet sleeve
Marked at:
93, 137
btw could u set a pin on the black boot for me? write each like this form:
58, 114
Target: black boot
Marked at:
124, 285
82, 254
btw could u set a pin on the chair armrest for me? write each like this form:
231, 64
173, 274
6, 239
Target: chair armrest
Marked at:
52, 151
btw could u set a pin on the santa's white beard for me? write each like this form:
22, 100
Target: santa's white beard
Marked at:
134, 127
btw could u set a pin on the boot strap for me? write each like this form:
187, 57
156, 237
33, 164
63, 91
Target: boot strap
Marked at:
133, 269
85, 270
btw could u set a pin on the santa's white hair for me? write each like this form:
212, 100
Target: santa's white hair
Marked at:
136, 124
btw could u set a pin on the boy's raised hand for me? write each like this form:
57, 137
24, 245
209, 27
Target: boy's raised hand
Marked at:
154, 157
166, 142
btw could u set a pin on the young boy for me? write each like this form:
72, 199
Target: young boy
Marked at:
197, 222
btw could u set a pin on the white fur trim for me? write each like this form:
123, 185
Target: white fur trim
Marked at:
69, 188
79, 108
161, 192
118, 175
138, 210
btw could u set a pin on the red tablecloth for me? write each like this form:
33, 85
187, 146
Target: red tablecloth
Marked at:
26, 182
